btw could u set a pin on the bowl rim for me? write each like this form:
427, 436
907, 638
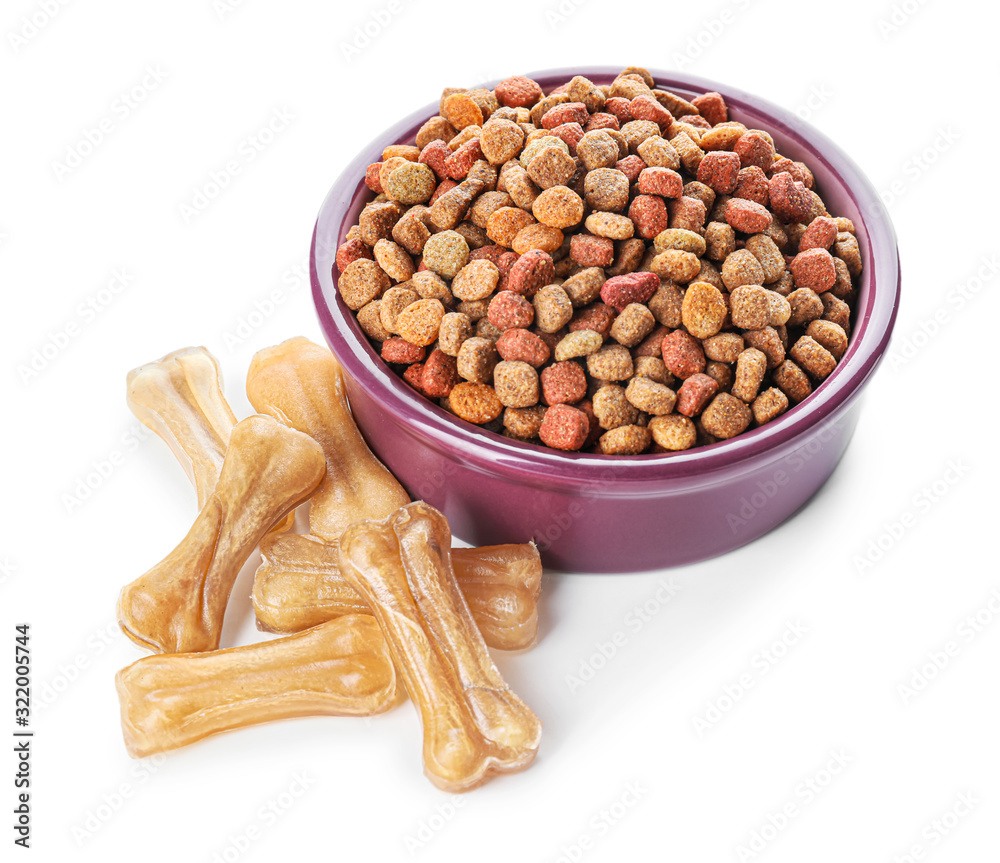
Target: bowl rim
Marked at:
491, 452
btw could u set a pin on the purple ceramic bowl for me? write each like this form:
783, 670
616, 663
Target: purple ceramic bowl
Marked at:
591, 513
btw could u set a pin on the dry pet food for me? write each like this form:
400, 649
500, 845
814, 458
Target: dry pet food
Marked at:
571, 234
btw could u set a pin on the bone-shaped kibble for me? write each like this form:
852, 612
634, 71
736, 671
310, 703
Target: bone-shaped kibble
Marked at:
474, 725
180, 398
338, 668
300, 384
299, 585
178, 606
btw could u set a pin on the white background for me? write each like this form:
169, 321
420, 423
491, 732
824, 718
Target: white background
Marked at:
907, 89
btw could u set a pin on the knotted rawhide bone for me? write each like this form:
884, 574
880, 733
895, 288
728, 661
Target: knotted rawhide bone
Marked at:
300, 383
338, 668
474, 726
299, 585
180, 398
178, 606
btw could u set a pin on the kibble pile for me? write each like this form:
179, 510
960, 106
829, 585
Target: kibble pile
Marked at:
612, 269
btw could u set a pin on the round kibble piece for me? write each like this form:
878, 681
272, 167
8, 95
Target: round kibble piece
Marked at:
747, 216
792, 381
501, 141
626, 440
522, 345
805, 305
419, 322
725, 417
446, 253
769, 404
454, 330
396, 350
537, 236
830, 335
813, 357
477, 358
723, 348
750, 307
650, 396
476, 280
516, 384
695, 393
673, 432
741, 268
564, 428
606, 189
370, 318
634, 323
361, 282
703, 310
751, 366
411, 183
505, 223
553, 309
580, 343
394, 260
681, 239
683, 354
558, 207
620, 291
563, 383
781, 309
676, 266
766, 339
475, 403
439, 375
814, 269
508, 310
524, 423
612, 408
518, 92
392, 302
611, 363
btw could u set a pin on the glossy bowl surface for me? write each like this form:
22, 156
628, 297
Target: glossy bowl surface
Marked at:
592, 513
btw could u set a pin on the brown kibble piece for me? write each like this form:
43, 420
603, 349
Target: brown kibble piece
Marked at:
361, 282
673, 432
830, 335
741, 268
810, 355
653, 397
477, 357
516, 384
750, 307
769, 404
610, 363
792, 381
626, 440
612, 408
634, 323
725, 417
751, 366
446, 253
806, 306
